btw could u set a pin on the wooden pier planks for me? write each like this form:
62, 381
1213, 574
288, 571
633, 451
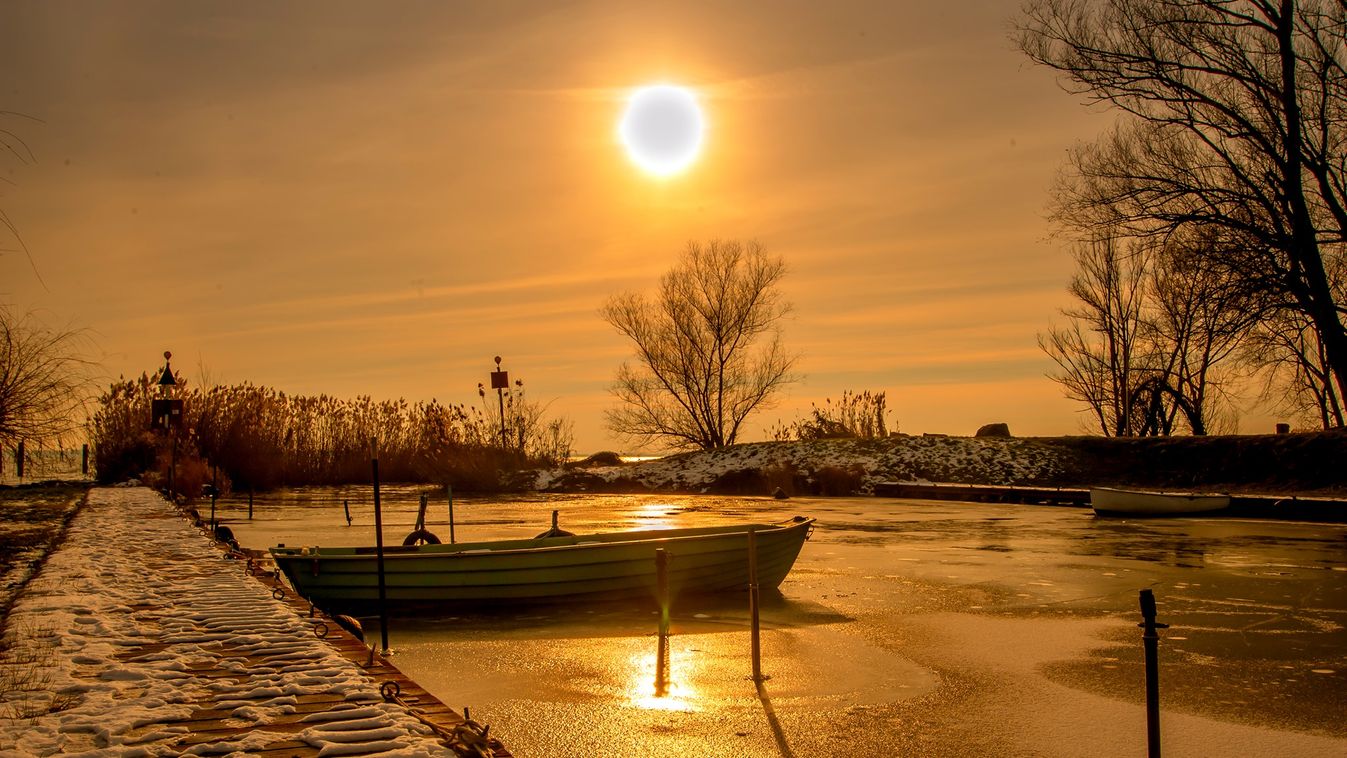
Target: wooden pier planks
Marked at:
249, 668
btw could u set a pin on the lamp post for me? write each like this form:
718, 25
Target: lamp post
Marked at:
166, 415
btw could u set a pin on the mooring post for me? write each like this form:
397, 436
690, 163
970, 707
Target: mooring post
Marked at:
172, 468
346, 506
662, 595
756, 645
84, 460
18, 460
449, 489
250, 502
1151, 641
214, 493
379, 546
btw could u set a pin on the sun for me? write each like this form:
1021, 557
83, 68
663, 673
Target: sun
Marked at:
662, 128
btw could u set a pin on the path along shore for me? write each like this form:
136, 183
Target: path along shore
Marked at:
141, 637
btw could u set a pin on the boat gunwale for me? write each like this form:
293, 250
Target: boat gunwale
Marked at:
583, 542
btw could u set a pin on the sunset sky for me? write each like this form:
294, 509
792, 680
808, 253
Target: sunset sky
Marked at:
376, 198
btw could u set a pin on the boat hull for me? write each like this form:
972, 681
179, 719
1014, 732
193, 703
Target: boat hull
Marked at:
596, 567
1107, 501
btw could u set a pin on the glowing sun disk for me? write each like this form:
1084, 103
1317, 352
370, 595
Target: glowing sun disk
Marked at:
662, 128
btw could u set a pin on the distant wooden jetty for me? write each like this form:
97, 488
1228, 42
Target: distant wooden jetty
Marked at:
982, 493
1281, 507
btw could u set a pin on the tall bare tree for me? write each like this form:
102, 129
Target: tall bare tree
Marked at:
1297, 379
1098, 351
44, 380
1237, 122
708, 347
1150, 334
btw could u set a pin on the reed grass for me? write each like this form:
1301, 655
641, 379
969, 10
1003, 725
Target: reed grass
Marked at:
259, 438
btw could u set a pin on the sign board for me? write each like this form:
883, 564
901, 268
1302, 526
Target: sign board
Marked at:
500, 380
165, 414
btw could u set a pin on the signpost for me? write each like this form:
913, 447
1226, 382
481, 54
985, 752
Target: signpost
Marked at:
500, 381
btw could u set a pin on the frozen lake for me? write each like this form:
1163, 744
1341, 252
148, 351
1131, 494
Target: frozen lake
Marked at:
906, 628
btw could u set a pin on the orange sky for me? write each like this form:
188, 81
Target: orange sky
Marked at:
368, 198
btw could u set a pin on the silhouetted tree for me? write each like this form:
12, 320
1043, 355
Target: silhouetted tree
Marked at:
44, 380
1149, 334
708, 347
1238, 124
1098, 351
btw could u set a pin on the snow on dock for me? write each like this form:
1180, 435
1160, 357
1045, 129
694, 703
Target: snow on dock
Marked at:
141, 638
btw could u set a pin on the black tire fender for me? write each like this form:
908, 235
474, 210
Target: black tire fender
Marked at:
419, 536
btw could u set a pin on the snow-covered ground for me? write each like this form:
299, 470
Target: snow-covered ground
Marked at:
981, 460
129, 628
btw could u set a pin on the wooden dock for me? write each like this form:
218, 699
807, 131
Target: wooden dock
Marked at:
163, 642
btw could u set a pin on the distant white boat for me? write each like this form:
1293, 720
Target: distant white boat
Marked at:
1108, 501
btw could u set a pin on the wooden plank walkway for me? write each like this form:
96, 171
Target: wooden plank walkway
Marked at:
170, 644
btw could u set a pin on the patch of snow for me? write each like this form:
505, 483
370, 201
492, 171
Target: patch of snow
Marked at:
974, 460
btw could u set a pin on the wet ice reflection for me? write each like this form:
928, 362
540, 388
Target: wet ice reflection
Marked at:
906, 628
644, 686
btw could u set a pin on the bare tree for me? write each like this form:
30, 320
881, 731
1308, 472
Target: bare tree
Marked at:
1150, 335
1237, 111
44, 380
708, 347
1286, 349
1098, 352
1198, 317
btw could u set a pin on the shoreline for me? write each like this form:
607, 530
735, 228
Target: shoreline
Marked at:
1302, 464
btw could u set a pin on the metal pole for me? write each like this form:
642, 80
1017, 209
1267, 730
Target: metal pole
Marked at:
504, 440
450, 489
1151, 641
379, 547
753, 603
662, 595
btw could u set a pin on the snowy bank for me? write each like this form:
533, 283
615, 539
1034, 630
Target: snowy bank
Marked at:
1282, 463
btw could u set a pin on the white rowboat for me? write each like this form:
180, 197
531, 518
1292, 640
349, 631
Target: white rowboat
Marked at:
1108, 501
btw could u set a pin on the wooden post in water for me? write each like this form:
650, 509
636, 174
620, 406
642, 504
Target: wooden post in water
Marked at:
18, 460
449, 488
662, 596
379, 546
250, 502
346, 506
755, 644
214, 493
84, 460
1151, 640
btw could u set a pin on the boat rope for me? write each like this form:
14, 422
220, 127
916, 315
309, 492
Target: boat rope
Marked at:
467, 738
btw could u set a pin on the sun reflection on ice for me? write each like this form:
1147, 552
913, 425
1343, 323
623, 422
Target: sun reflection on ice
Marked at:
641, 686
654, 515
